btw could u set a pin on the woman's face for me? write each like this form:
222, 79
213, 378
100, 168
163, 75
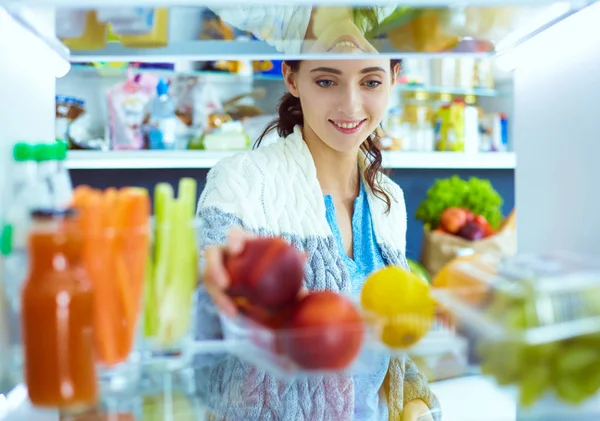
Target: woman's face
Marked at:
343, 101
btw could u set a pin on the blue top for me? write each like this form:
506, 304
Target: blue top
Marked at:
367, 258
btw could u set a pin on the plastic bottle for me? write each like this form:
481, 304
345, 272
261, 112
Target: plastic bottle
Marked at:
25, 193
61, 181
472, 141
45, 155
163, 120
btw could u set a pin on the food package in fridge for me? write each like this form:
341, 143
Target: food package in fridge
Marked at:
156, 37
536, 318
128, 20
92, 38
127, 103
424, 33
487, 23
70, 23
206, 102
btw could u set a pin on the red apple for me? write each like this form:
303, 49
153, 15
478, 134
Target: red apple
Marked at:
268, 272
325, 332
483, 223
453, 219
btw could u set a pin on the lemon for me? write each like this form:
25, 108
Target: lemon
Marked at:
402, 302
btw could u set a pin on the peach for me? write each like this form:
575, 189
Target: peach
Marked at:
325, 332
268, 272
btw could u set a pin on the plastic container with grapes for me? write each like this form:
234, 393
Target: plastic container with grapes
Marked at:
535, 320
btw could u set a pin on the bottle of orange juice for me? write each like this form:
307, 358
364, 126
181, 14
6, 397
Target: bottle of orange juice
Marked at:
57, 316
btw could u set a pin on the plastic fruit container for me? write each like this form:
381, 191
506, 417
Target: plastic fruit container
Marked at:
535, 321
353, 348
291, 353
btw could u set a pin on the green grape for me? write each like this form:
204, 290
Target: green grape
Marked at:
591, 379
575, 358
542, 352
592, 340
534, 382
502, 360
570, 390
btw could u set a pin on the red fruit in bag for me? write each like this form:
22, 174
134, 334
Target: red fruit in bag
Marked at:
453, 219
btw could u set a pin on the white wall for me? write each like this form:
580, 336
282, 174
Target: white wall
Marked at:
557, 136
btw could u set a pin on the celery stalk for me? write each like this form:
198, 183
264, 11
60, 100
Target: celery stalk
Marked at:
187, 193
150, 304
169, 305
176, 304
163, 204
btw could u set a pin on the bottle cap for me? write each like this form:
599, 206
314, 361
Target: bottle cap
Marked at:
61, 150
23, 152
6, 240
163, 87
45, 152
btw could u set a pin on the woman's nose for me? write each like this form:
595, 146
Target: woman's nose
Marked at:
350, 102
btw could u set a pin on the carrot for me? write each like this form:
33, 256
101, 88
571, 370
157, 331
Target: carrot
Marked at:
116, 279
95, 256
133, 214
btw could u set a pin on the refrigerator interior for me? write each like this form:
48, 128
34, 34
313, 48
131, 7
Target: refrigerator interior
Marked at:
556, 115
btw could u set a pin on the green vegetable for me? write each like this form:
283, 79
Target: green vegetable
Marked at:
174, 265
476, 194
418, 270
400, 16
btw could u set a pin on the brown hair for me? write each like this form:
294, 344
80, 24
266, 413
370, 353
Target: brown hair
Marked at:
290, 115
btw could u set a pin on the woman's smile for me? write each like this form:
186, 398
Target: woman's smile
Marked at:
348, 126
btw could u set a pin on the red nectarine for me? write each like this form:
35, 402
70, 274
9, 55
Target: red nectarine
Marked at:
268, 272
325, 332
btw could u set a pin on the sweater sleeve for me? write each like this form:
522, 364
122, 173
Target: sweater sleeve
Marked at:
284, 27
228, 200
416, 385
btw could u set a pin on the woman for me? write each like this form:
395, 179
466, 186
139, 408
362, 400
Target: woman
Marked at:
320, 188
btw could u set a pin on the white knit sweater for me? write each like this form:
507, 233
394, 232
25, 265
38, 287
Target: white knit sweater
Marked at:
274, 191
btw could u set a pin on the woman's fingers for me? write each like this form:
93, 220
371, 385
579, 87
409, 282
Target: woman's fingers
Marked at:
221, 299
236, 239
215, 269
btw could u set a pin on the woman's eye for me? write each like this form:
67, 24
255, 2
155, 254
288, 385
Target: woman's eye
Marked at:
325, 83
372, 83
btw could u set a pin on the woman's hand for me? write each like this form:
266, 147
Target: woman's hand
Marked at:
416, 410
328, 25
215, 279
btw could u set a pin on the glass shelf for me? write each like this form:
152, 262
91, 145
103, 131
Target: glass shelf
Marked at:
80, 69
148, 159
450, 90
178, 396
216, 76
234, 30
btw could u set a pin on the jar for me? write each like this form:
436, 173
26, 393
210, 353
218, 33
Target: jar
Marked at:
57, 316
418, 123
68, 109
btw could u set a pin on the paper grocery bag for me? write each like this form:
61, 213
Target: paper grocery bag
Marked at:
439, 248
